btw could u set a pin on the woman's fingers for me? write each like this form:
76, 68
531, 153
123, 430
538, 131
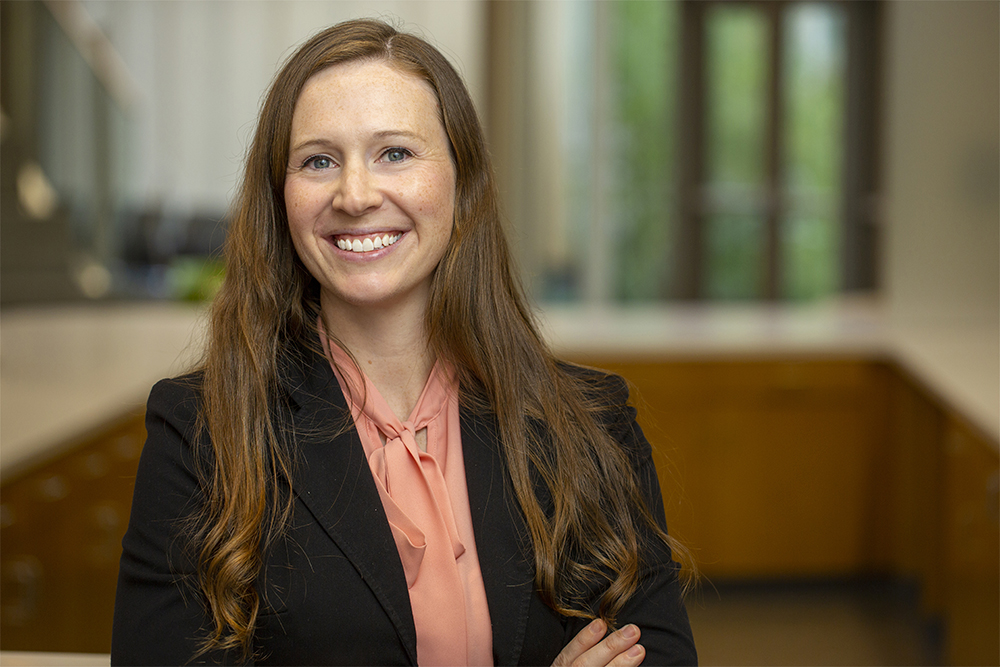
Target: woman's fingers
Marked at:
586, 639
590, 648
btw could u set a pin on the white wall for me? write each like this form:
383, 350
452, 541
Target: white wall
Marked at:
201, 69
942, 168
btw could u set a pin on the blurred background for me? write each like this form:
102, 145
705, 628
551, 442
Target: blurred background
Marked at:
780, 221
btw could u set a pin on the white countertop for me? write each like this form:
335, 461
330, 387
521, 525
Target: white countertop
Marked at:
64, 371
958, 361
670, 330
39, 659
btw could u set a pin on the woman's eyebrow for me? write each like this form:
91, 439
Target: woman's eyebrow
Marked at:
405, 134
379, 136
309, 143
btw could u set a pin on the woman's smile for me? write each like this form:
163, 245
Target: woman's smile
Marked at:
365, 243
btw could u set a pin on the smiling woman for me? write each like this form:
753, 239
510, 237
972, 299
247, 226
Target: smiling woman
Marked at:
378, 461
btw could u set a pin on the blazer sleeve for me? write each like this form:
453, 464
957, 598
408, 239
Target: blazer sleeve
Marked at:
159, 615
657, 607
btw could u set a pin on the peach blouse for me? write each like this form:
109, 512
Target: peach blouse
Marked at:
426, 501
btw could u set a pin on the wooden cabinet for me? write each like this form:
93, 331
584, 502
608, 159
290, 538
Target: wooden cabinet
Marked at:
61, 528
770, 468
946, 531
972, 548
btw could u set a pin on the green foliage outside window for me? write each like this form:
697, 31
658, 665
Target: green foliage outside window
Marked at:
736, 68
644, 38
813, 140
645, 45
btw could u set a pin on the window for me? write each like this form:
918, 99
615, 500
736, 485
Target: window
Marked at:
693, 150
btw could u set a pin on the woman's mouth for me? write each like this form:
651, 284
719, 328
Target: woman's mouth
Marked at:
366, 243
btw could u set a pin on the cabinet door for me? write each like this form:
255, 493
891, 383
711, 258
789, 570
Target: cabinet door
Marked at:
61, 530
973, 547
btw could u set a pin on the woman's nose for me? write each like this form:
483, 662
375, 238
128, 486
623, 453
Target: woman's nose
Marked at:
357, 191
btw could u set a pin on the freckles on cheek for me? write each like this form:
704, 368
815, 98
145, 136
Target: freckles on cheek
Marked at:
299, 205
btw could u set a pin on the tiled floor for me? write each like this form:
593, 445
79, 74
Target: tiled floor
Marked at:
826, 623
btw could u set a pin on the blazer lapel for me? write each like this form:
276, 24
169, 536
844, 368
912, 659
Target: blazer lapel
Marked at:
332, 478
502, 539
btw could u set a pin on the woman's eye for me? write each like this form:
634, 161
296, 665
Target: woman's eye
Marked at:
318, 162
396, 155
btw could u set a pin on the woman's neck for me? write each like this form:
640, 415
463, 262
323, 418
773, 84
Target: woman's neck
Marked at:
389, 344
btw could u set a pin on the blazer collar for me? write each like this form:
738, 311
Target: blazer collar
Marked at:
334, 481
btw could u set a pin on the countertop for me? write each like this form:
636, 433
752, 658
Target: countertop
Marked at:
958, 361
40, 659
65, 371
68, 370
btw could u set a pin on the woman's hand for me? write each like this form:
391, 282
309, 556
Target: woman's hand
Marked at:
588, 649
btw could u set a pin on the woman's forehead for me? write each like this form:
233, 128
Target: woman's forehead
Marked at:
364, 73
365, 93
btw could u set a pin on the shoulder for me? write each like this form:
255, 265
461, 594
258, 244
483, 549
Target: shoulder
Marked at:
183, 391
609, 389
605, 395
606, 398
176, 401
175, 439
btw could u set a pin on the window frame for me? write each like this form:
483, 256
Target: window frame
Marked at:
858, 221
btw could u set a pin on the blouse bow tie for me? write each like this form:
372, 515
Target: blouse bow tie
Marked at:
413, 489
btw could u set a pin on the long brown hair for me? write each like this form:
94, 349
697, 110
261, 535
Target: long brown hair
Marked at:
549, 418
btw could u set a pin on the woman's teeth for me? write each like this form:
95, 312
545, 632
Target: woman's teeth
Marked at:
368, 244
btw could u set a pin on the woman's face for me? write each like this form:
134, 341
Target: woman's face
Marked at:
370, 186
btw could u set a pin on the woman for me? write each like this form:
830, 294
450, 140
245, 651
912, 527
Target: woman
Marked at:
379, 461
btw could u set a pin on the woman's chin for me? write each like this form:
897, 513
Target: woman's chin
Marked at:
376, 296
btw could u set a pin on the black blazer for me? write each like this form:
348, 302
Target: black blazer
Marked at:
333, 588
